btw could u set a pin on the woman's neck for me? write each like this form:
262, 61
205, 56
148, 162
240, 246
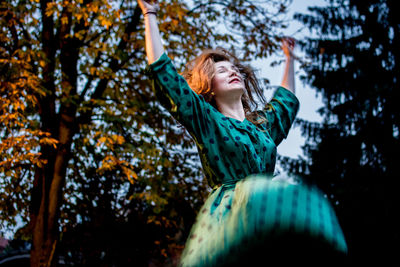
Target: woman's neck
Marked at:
233, 109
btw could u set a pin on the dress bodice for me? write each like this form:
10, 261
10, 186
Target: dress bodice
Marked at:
229, 149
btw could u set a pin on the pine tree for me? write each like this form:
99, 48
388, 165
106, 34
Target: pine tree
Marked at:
353, 155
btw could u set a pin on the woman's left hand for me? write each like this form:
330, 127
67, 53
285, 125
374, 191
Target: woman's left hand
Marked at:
288, 44
148, 6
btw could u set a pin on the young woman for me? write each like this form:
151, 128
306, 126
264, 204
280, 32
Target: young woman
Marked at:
248, 217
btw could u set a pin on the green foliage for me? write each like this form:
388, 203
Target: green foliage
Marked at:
353, 155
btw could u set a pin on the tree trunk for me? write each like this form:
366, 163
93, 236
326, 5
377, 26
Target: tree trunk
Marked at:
47, 191
49, 182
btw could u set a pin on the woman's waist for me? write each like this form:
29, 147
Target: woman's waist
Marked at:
229, 183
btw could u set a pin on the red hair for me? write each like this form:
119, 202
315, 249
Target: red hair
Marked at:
200, 71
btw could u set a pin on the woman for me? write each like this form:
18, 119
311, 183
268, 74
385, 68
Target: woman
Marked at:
248, 217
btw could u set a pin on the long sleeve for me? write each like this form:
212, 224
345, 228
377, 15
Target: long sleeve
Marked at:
173, 92
280, 113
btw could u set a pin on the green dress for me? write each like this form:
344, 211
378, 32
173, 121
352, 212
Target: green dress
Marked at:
248, 215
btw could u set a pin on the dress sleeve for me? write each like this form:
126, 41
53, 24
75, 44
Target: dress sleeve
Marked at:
174, 94
280, 113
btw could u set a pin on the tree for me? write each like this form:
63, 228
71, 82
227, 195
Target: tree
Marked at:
78, 110
353, 154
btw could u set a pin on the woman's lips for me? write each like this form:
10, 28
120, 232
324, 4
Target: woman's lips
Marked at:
235, 80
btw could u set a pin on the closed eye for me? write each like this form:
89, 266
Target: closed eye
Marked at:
222, 69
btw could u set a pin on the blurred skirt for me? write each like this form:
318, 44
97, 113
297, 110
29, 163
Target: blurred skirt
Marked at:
263, 221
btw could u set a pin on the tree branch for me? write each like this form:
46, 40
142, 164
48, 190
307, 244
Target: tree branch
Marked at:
115, 64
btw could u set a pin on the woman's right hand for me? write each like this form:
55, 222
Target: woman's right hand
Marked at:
148, 6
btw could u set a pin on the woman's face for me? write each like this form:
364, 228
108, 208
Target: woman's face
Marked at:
227, 80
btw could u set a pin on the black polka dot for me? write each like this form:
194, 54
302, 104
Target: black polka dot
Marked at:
212, 141
226, 138
186, 91
237, 144
264, 149
224, 118
177, 78
208, 111
248, 128
230, 127
189, 104
280, 197
165, 79
237, 138
216, 158
232, 154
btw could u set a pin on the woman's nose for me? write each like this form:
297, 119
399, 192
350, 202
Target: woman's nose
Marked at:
234, 72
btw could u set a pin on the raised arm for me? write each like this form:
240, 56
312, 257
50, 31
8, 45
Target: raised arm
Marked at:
288, 74
154, 47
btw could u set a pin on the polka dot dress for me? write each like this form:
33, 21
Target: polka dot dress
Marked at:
247, 209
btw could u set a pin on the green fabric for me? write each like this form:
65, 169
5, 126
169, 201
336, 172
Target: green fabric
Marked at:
238, 159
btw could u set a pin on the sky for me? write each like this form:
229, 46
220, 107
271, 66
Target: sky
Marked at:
309, 101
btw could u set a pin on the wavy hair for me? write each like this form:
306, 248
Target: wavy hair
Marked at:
200, 71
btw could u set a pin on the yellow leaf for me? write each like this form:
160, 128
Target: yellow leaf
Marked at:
78, 16
131, 175
94, 8
92, 70
64, 20
105, 22
118, 139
